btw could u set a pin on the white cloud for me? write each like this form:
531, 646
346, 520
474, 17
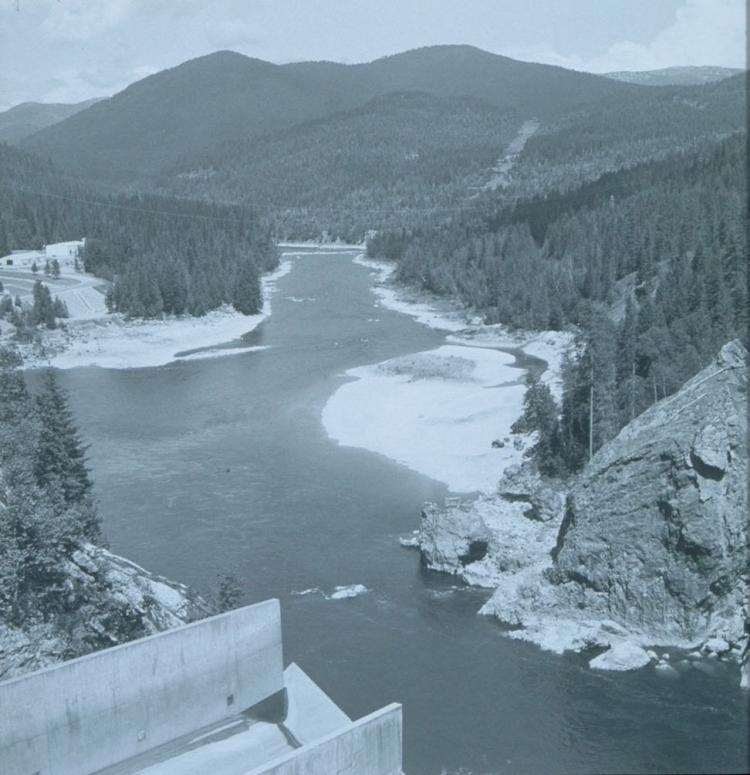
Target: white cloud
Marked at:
75, 85
704, 32
74, 49
77, 20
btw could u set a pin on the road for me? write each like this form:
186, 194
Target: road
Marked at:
83, 294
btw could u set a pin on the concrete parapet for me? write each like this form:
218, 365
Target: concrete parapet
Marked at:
370, 746
98, 710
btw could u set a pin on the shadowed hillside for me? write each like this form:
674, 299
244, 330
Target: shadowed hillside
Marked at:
226, 96
29, 117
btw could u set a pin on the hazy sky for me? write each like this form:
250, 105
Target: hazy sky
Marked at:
69, 50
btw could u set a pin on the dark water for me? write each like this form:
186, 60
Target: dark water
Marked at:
222, 465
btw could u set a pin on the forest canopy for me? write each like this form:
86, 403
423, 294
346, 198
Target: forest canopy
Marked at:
163, 255
648, 264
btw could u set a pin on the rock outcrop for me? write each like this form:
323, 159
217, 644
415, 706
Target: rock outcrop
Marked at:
653, 544
106, 600
484, 539
655, 530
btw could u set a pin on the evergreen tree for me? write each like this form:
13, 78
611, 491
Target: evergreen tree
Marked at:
43, 310
540, 415
60, 459
60, 308
47, 506
247, 297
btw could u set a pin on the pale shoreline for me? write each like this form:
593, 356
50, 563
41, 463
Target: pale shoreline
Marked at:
438, 412
112, 342
403, 394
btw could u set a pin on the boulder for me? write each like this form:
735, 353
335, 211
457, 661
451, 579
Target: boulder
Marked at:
621, 656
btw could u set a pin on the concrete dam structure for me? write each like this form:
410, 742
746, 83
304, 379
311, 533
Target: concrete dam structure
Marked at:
212, 696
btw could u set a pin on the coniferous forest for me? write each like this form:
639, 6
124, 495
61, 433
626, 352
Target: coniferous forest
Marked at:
606, 225
648, 264
162, 255
537, 386
47, 502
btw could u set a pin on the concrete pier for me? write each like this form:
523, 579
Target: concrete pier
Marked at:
212, 696
370, 746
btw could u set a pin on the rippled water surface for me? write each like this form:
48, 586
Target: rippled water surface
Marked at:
218, 465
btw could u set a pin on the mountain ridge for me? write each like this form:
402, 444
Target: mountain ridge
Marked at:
225, 95
26, 118
675, 76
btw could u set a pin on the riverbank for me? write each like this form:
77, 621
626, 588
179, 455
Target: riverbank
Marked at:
222, 465
592, 564
113, 342
447, 412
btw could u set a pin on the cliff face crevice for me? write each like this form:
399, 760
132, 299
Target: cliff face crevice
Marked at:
650, 540
670, 526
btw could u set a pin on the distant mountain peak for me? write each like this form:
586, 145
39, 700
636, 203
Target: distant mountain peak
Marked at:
686, 75
26, 118
226, 96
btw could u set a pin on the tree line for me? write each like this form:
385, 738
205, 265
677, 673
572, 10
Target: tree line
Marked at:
44, 311
162, 255
647, 264
394, 161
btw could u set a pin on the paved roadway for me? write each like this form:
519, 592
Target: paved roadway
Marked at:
83, 294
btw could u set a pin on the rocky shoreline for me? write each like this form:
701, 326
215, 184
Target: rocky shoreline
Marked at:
645, 550
108, 600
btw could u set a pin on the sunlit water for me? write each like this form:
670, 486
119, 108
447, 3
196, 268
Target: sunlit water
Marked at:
209, 466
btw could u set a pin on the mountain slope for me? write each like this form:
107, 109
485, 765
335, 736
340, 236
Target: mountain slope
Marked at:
403, 158
619, 132
166, 255
29, 117
183, 110
387, 162
675, 76
465, 71
227, 96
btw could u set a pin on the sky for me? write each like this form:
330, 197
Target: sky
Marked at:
71, 50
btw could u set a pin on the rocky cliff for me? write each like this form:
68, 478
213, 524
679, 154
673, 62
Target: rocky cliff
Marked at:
647, 546
106, 600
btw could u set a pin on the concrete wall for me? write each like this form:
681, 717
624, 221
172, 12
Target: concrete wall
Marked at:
370, 746
95, 711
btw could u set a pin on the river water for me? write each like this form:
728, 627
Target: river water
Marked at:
216, 465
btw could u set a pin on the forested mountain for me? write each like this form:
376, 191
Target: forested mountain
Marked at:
164, 255
411, 158
649, 263
675, 76
398, 160
221, 97
29, 117
627, 130
340, 149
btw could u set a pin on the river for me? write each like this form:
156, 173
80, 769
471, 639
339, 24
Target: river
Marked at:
209, 466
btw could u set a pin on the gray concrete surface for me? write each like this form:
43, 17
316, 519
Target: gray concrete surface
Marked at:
370, 746
249, 739
93, 712
311, 713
